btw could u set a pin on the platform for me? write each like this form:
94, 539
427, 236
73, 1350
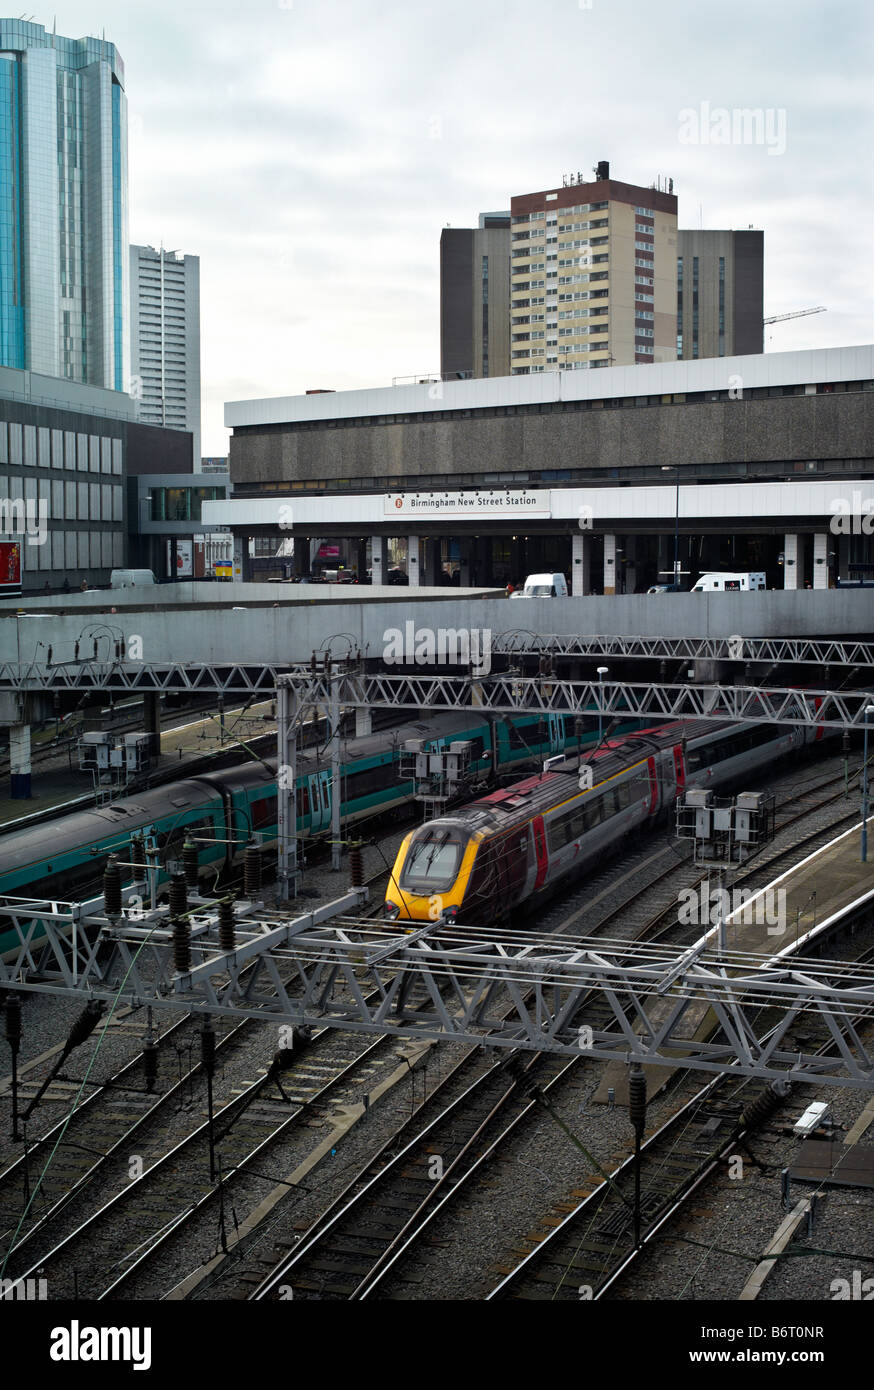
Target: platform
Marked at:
822, 888
183, 746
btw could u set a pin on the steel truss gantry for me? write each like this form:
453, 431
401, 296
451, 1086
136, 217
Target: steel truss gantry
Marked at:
511, 693
324, 968
774, 650
106, 666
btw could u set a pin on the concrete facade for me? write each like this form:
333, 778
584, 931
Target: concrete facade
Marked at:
65, 451
475, 298
165, 339
774, 415
720, 289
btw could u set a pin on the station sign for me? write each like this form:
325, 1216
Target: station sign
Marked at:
498, 502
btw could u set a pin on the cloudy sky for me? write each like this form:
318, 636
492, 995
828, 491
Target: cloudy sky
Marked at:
310, 151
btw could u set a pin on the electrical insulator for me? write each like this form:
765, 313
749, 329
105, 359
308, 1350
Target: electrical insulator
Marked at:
138, 858
178, 895
637, 1099
182, 946
252, 871
763, 1106
84, 1025
112, 887
356, 866
226, 925
190, 864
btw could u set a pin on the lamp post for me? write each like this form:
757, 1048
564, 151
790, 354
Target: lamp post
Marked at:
673, 468
869, 710
602, 672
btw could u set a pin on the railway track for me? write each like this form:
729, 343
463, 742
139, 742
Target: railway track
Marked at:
583, 1252
262, 1135
390, 1202
356, 1249
100, 1255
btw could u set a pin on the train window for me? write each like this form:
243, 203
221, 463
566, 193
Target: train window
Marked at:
516, 738
303, 801
366, 783
608, 803
263, 812
623, 794
432, 861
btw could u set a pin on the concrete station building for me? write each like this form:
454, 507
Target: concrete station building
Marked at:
751, 463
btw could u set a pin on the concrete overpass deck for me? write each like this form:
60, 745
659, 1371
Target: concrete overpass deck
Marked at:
193, 624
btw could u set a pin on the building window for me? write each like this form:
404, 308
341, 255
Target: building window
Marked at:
721, 306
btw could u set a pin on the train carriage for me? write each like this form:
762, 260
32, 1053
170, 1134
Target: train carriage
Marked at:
513, 846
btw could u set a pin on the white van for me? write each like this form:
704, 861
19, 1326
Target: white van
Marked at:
730, 583
131, 579
544, 586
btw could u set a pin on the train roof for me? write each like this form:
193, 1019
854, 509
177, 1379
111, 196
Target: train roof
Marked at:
52, 838
536, 794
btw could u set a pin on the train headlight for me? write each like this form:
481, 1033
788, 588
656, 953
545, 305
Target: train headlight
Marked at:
390, 911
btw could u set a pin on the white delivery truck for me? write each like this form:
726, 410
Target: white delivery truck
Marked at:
543, 586
730, 583
131, 579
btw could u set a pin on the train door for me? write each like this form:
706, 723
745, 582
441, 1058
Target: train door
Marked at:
319, 817
540, 851
652, 769
556, 733
325, 788
679, 769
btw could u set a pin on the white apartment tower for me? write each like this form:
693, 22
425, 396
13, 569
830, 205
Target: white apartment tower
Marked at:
165, 339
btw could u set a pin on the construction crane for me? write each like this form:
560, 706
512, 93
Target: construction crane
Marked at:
798, 314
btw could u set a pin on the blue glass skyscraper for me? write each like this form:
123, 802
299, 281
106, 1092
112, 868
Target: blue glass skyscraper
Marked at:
64, 274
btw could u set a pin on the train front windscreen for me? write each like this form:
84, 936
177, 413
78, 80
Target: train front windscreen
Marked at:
433, 860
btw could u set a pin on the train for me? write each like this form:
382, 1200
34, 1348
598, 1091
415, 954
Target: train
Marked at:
511, 848
222, 811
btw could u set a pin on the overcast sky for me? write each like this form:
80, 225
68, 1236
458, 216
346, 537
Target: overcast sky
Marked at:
310, 151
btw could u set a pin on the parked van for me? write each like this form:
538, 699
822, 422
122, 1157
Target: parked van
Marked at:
543, 586
729, 583
131, 579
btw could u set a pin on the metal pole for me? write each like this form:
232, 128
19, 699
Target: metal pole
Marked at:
677, 533
865, 793
336, 789
207, 1040
288, 707
13, 1037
